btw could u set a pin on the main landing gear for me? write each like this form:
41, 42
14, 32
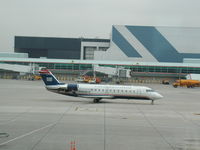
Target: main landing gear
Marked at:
96, 100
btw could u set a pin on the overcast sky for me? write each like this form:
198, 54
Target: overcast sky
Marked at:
89, 18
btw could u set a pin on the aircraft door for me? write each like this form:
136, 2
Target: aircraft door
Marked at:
138, 91
106, 90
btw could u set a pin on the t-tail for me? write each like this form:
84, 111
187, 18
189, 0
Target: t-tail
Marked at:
48, 78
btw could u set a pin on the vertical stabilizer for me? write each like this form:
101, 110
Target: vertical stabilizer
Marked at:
48, 78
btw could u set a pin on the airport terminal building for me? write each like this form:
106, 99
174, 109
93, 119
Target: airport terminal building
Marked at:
152, 44
145, 50
60, 48
127, 43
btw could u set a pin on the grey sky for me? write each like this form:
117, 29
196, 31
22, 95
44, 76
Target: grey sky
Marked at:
89, 18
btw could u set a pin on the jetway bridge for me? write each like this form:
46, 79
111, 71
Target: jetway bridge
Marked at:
120, 72
17, 68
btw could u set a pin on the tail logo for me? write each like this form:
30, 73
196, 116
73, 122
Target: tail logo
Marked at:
49, 79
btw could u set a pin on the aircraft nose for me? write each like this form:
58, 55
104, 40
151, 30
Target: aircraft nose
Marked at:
158, 96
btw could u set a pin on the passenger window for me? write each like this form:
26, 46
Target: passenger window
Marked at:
149, 90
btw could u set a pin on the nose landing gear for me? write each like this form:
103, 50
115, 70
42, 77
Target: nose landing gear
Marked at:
152, 102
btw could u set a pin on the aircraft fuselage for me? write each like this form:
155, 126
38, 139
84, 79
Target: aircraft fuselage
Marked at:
105, 91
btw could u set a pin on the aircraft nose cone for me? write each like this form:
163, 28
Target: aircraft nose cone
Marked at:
158, 96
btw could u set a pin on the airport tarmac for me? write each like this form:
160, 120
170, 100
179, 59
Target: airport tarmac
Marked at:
36, 119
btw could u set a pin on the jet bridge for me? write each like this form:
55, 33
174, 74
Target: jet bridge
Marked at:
121, 72
16, 68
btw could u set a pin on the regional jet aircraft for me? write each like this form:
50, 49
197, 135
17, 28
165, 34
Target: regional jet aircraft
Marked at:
98, 91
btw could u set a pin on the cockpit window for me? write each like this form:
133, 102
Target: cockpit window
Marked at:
149, 90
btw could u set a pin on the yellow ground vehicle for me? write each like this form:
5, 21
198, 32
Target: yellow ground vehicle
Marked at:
187, 83
35, 77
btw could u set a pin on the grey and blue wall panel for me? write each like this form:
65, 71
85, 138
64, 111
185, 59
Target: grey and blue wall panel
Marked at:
123, 44
155, 42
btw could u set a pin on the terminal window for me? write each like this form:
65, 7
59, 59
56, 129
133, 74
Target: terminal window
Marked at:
89, 52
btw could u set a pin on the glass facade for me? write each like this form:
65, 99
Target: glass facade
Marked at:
134, 68
89, 52
62, 66
103, 48
158, 69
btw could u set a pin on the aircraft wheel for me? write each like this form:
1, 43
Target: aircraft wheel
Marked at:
96, 100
